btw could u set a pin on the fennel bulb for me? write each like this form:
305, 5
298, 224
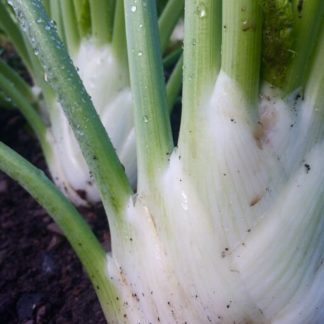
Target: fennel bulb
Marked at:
249, 255
107, 83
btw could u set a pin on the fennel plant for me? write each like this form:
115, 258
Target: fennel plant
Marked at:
226, 227
94, 34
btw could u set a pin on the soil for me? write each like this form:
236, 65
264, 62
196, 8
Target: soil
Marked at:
41, 280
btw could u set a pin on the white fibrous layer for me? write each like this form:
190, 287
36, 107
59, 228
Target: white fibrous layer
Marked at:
234, 234
108, 86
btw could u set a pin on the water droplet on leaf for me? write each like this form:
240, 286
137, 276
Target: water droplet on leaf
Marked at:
201, 10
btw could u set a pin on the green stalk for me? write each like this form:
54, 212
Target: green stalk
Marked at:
170, 59
25, 107
168, 20
102, 20
76, 230
309, 16
153, 131
315, 82
241, 44
12, 30
38, 75
174, 83
82, 11
202, 51
70, 25
118, 43
160, 4
21, 98
19, 83
24, 104
95, 145
78, 5
19, 42
56, 15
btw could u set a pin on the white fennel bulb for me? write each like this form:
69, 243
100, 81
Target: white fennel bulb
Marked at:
230, 235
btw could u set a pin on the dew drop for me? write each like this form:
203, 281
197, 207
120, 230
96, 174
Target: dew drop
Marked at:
140, 53
52, 23
133, 8
201, 10
145, 119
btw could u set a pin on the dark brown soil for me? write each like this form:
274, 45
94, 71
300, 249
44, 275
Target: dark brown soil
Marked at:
41, 280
